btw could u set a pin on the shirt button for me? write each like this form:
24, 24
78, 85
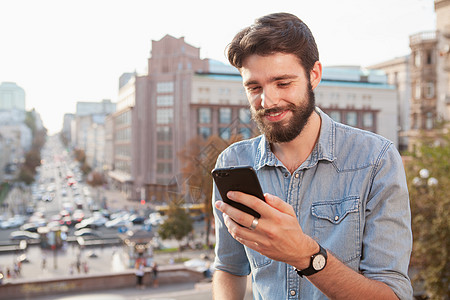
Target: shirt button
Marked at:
296, 175
336, 218
293, 293
286, 175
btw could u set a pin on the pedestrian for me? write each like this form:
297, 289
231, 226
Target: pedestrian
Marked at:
71, 269
155, 274
140, 272
44, 262
85, 267
336, 220
78, 265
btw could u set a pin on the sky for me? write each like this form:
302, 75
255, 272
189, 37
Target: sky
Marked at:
64, 51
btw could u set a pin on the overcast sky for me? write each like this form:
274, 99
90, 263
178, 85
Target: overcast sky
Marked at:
64, 51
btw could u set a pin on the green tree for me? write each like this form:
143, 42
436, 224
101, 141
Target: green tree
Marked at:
178, 223
428, 181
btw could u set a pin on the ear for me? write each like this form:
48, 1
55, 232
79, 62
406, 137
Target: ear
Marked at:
316, 74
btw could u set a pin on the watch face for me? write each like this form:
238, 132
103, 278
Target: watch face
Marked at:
319, 262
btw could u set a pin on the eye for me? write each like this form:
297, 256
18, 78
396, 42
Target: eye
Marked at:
284, 84
253, 89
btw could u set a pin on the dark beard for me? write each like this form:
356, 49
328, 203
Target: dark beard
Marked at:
283, 133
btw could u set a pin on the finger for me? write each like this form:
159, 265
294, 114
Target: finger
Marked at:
262, 207
279, 204
235, 214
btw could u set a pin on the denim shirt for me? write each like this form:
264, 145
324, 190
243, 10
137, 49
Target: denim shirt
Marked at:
350, 195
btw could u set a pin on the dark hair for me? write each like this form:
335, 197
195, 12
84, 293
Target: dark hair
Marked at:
279, 32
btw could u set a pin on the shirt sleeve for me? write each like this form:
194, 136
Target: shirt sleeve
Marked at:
387, 240
230, 254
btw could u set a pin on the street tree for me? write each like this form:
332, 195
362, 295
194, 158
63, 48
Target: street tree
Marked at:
428, 183
178, 224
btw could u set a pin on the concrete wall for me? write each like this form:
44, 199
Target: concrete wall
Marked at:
29, 289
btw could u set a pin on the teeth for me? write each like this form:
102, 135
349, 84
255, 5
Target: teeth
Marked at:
275, 114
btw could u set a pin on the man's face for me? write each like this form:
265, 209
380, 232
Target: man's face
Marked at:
280, 94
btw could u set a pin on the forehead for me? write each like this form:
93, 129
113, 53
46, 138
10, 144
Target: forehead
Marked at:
258, 68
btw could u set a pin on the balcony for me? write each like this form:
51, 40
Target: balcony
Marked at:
422, 37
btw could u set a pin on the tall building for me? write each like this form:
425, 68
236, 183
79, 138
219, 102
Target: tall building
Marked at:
442, 8
12, 96
181, 97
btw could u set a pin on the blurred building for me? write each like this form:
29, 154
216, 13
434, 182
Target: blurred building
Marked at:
360, 98
423, 78
12, 96
182, 97
87, 130
399, 75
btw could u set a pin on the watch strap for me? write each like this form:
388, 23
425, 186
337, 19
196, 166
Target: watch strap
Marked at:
310, 270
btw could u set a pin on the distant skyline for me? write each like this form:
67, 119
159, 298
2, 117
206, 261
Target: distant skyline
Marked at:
62, 52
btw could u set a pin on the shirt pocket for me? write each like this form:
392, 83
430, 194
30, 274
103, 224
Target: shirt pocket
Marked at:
337, 226
256, 259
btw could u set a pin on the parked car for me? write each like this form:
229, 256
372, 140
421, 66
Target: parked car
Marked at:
118, 222
31, 227
23, 235
85, 232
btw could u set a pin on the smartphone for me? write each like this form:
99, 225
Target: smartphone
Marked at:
242, 179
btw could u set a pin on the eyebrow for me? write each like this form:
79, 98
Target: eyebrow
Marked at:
273, 79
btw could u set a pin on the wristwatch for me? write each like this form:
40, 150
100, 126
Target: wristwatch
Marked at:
318, 262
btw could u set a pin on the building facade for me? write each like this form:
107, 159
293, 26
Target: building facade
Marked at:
12, 96
181, 97
360, 98
399, 75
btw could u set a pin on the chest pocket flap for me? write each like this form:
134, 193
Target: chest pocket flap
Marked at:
335, 210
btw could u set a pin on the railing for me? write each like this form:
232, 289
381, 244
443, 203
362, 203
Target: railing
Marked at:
422, 37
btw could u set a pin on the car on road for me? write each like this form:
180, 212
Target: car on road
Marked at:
85, 232
118, 222
31, 227
23, 235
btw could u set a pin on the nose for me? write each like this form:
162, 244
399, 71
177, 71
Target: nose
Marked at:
268, 98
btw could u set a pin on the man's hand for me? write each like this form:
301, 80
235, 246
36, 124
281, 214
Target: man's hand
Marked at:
278, 234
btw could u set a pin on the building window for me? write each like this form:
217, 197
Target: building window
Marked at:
225, 133
164, 116
418, 91
429, 90
429, 120
164, 168
164, 133
368, 120
164, 87
244, 116
225, 115
224, 91
417, 58
164, 152
429, 57
335, 115
204, 115
166, 100
204, 132
351, 118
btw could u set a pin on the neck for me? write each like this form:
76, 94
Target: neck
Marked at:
292, 154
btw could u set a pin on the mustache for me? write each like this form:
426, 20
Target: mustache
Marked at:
261, 112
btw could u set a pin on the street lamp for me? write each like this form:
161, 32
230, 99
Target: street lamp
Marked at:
424, 179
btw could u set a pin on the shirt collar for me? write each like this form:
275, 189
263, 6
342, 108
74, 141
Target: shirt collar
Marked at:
324, 149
